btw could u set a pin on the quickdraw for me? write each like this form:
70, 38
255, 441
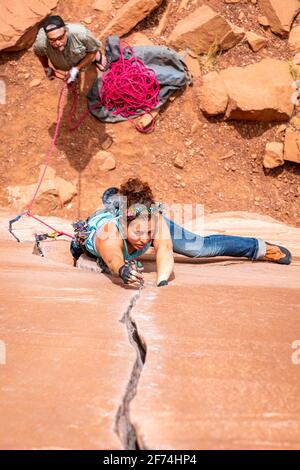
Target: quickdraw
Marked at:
41, 237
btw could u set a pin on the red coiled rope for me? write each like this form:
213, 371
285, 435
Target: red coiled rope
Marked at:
129, 88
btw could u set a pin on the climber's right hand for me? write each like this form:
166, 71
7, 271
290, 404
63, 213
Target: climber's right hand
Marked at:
50, 73
130, 275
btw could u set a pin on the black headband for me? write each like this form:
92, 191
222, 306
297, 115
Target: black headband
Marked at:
53, 22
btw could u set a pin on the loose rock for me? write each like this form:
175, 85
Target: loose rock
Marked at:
294, 38
19, 22
34, 83
263, 21
103, 5
204, 29
179, 163
256, 42
273, 155
260, 91
280, 14
130, 15
213, 95
105, 160
292, 146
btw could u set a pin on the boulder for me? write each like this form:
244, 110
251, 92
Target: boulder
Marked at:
19, 21
66, 189
213, 95
54, 193
273, 155
256, 42
280, 14
129, 16
294, 38
292, 146
259, 92
203, 30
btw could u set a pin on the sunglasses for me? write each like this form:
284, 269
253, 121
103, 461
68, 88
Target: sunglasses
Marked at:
59, 38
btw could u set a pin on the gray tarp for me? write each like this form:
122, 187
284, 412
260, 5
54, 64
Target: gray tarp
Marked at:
171, 73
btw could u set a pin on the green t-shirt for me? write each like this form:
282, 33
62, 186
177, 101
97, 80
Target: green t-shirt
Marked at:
80, 42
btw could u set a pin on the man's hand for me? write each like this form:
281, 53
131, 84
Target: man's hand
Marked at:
50, 73
131, 274
72, 75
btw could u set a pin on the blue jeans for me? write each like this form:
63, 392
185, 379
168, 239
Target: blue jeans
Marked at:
189, 244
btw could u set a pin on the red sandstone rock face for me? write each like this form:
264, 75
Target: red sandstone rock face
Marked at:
218, 372
68, 356
19, 20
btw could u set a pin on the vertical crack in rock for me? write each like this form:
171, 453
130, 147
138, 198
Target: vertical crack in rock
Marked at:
123, 425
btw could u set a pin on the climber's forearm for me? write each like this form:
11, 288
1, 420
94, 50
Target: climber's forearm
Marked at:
115, 262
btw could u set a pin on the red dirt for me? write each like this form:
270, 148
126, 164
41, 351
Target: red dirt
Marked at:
238, 182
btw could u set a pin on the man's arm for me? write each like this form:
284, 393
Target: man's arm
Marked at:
39, 49
88, 59
92, 46
43, 60
164, 251
73, 73
49, 71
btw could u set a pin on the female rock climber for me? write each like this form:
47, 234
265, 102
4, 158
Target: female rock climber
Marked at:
131, 222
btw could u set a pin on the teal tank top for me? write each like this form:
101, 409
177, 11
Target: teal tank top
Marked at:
96, 222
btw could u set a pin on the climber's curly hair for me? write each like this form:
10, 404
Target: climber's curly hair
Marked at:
138, 193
